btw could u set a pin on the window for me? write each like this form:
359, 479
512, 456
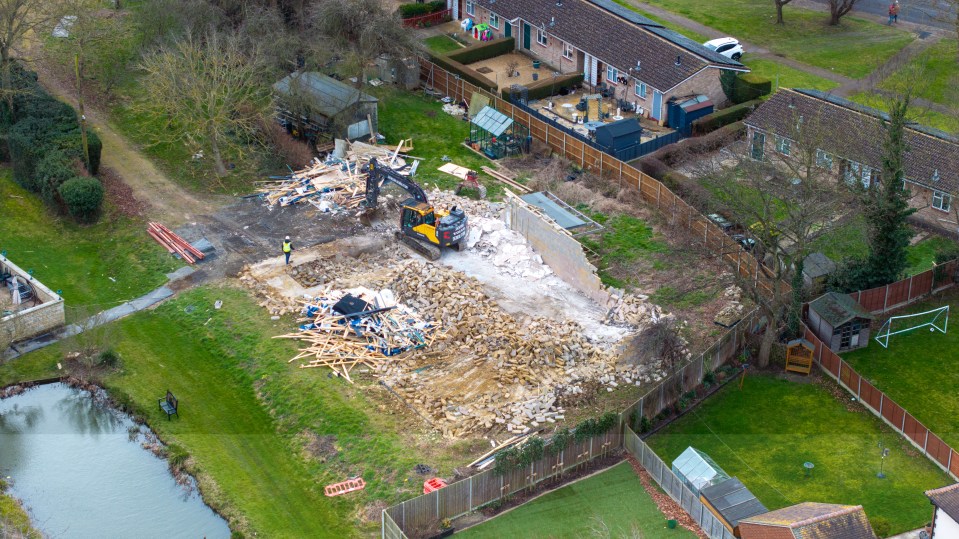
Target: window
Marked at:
759, 142
567, 51
612, 75
541, 37
823, 159
470, 7
866, 177
494, 20
783, 145
941, 201
726, 47
640, 89
852, 172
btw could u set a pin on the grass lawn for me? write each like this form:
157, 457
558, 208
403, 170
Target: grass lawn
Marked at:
848, 240
923, 254
247, 415
695, 36
98, 265
442, 44
918, 370
406, 115
625, 239
938, 71
916, 113
614, 497
787, 77
765, 432
854, 48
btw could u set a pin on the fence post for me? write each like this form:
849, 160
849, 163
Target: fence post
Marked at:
471, 493
882, 397
859, 389
383, 520
909, 295
949, 461
885, 301
659, 191
926, 442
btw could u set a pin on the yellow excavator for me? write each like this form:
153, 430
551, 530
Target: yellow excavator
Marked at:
422, 227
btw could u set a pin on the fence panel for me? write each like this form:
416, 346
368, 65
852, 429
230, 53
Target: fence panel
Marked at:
869, 395
390, 529
892, 412
938, 449
922, 284
914, 429
486, 488
455, 499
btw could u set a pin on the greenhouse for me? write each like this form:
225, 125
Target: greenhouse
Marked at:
697, 470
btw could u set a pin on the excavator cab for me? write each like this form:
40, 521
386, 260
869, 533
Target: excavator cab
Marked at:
421, 221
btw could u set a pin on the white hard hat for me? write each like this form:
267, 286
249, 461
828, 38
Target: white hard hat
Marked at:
287, 237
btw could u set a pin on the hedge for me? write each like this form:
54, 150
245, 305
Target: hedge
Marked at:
408, 11
466, 73
722, 117
750, 86
678, 153
43, 142
545, 87
83, 198
483, 51
52, 171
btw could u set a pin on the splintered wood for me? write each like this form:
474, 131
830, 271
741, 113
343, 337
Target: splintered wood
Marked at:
336, 184
345, 329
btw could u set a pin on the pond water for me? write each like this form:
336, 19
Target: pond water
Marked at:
71, 461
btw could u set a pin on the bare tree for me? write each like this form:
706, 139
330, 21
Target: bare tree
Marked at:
787, 196
779, 10
209, 91
838, 9
359, 31
19, 19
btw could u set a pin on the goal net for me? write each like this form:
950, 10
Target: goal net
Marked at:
936, 319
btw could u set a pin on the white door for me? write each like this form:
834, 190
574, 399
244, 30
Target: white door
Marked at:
592, 65
854, 341
455, 4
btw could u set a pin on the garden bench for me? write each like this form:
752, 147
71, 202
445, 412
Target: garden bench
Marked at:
169, 405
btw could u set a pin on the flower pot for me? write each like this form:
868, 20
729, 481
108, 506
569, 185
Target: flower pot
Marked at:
535, 64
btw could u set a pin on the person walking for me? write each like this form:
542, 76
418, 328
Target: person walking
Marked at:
895, 12
287, 249
892, 13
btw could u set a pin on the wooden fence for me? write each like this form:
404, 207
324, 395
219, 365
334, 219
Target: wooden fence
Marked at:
674, 209
901, 293
429, 19
466, 495
673, 485
419, 515
882, 300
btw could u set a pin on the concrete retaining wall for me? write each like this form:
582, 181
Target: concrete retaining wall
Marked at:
559, 249
35, 320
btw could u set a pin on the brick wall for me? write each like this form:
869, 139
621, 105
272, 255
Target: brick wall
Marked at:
36, 320
705, 82
928, 215
560, 250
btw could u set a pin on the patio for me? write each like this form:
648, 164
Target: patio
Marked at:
564, 109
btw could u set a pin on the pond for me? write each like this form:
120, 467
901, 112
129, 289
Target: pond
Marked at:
71, 461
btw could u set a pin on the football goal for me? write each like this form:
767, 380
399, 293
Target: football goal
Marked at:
936, 319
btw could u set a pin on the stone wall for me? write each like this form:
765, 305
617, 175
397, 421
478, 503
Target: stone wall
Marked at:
559, 249
36, 320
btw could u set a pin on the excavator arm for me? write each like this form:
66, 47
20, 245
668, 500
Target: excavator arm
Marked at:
378, 175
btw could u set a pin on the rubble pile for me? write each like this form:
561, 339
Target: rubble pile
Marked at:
733, 311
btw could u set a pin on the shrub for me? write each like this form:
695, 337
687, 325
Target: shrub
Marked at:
645, 425
408, 11
108, 358
750, 86
51, 172
880, 526
726, 116
83, 198
483, 51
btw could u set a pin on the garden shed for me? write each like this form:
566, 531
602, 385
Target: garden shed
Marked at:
311, 102
697, 471
680, 113
816, 267
730, 501
839, 321
496, 135
620, 139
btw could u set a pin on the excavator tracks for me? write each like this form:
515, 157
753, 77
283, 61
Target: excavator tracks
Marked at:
429, 251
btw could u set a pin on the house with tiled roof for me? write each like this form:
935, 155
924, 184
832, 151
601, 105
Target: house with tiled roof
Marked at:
848, 140
639, 59
945, 516
809, 520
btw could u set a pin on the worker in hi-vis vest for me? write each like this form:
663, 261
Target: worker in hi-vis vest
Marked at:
287, 249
